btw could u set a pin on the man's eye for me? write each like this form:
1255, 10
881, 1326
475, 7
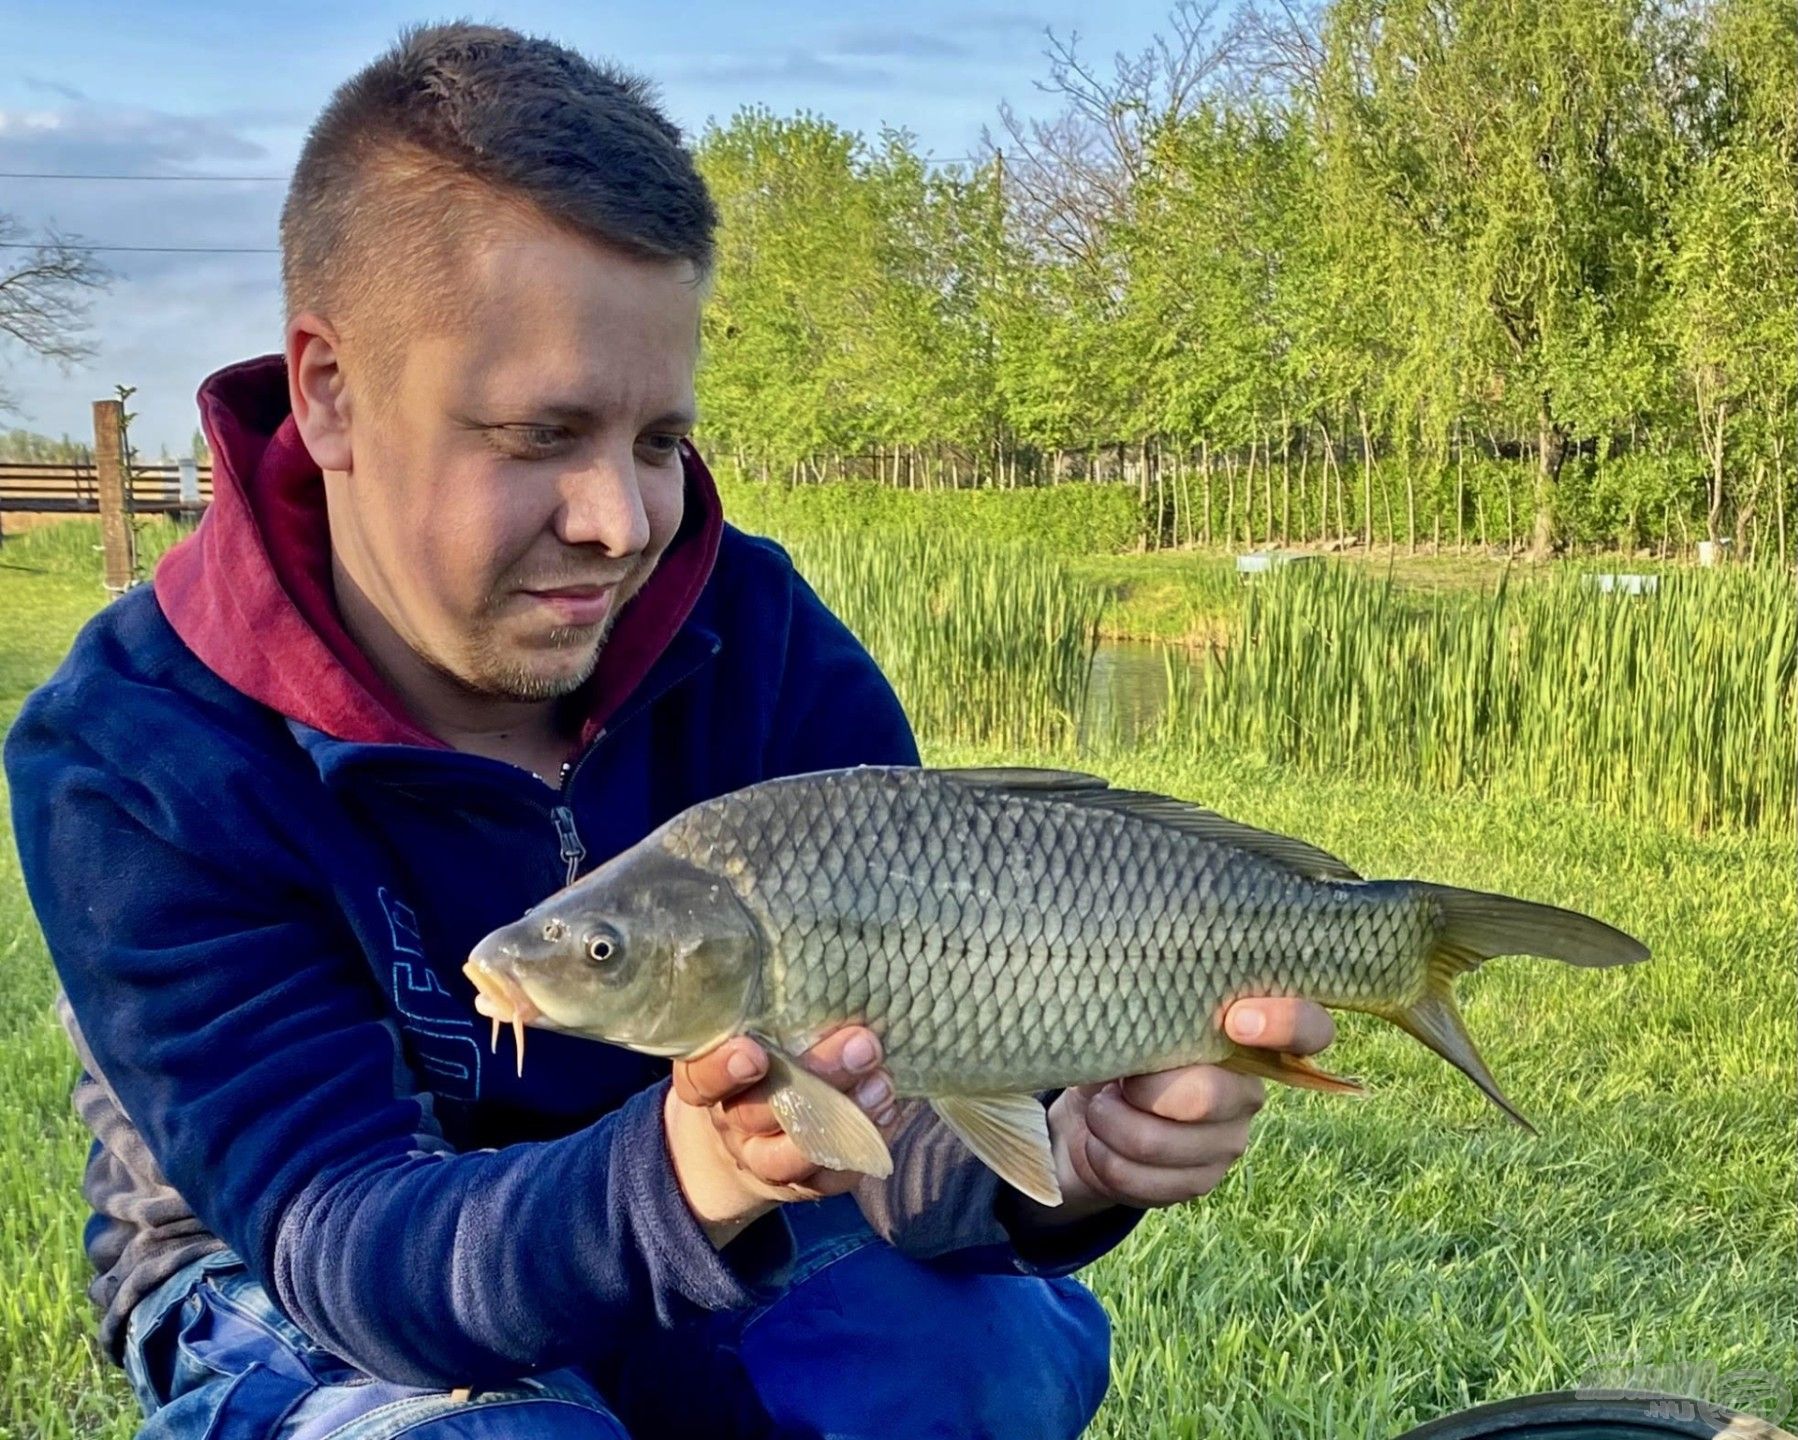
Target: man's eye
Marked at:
662, 447
526, 439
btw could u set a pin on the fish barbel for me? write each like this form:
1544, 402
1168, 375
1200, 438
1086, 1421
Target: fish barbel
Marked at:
1004, 931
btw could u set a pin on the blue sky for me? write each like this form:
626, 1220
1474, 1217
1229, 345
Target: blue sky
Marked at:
151, 88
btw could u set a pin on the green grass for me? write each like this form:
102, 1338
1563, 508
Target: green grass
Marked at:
52, 1383
1370, 1263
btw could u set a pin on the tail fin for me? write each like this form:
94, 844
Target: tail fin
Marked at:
1480, 926
1477, 926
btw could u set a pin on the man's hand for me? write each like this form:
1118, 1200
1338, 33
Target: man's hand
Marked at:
1153, 1140
731, 1157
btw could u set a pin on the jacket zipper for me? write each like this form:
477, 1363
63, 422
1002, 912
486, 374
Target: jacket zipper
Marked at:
572, 851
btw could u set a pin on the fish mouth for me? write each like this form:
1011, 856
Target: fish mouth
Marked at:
503, 1000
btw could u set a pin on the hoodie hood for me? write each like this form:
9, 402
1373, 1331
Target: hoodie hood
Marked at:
250, 593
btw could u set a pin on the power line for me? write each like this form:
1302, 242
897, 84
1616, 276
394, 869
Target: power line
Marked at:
146, 249
184, 179
282, 179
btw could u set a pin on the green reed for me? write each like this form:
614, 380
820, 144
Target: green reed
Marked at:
984, 642
1677, 706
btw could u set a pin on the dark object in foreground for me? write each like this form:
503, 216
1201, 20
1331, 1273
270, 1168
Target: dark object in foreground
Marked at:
1598, 1415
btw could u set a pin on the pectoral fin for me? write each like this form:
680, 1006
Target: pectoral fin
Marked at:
1011, 1134
829, 1128
1289, 1070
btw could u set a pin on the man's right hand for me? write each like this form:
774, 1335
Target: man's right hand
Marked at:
731, 1157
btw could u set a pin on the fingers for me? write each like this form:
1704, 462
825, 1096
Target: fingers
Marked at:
843, 1055
771, 1157
848, 1059
719, 1074
1195, 1093
1297, 1027
730, 1084
1141, 1185
1150, 1140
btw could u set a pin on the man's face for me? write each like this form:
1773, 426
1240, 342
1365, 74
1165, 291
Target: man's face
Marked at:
524, 475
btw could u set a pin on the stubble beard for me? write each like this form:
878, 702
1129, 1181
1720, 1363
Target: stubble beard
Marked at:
502, 672
497, 668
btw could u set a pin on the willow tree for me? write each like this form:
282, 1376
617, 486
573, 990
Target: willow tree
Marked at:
1733, 299
1526, 148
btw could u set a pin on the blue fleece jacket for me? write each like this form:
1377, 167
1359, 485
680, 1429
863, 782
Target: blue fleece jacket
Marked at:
259, 927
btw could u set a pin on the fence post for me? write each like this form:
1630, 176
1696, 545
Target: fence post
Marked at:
116, 538
190, 489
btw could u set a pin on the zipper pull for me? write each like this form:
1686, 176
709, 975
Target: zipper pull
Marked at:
572, 850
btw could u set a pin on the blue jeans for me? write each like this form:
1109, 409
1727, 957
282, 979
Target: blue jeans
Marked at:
861, 1342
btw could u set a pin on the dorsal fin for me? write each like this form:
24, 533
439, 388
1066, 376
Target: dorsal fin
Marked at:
1073, 787
1026, 778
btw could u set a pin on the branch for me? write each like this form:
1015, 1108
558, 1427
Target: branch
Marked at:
43, 304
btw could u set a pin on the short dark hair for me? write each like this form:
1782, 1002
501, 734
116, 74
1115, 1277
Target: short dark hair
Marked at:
454, 128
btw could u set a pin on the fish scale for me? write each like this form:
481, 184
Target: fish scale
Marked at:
1076, 944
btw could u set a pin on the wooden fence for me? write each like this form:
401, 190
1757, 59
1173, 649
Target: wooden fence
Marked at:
110, 489
33, 489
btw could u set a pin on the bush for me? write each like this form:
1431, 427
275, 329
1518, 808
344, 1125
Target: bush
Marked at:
1072, 519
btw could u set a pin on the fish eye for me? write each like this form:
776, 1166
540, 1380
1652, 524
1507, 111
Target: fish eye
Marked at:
603, 946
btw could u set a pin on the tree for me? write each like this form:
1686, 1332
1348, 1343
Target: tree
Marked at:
1730, 306
43, 297
1527, 151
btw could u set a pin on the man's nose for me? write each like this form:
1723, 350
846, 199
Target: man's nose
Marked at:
602, 504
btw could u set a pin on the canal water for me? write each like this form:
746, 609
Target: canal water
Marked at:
1127, 691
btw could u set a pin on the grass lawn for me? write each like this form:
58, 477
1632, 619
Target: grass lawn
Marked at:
1370, 1263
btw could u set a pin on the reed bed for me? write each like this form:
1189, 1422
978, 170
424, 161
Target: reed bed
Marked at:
985, 643
1676, 706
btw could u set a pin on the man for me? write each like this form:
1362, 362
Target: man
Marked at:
463, 621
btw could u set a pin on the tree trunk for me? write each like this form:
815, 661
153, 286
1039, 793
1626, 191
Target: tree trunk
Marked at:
1173, 495
1229, 499
1248, 499
1267, 488
1411, 504
1366, 483
1551, 451
1160, 489
1715, 514
1304, 512
1460, 491
1182, 497
1333, 471
1205, 471
1285, 478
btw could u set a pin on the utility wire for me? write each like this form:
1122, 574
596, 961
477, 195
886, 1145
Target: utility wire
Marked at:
282, 179
188, 179
145, 249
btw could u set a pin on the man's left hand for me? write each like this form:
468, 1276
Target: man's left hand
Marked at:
1152, 1140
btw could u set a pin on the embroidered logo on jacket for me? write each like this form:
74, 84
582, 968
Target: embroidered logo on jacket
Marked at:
442, 1042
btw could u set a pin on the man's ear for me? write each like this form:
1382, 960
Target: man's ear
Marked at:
316, 390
